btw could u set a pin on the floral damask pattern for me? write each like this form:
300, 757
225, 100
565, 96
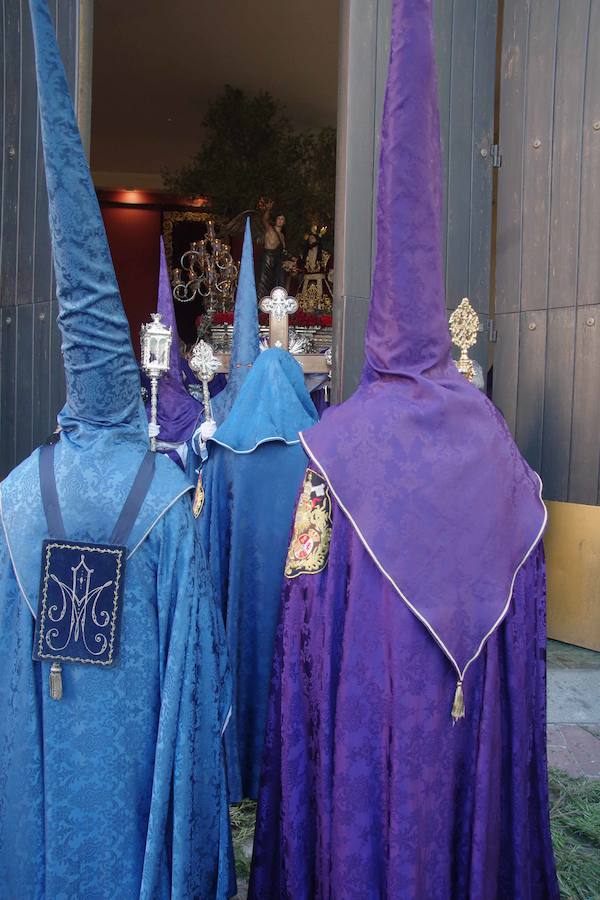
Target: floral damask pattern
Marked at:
368, 791
118, 790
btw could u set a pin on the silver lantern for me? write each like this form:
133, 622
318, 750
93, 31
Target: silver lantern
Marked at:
155, 341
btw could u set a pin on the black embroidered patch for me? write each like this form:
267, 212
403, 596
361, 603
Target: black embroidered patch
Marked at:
309, 548
80, 602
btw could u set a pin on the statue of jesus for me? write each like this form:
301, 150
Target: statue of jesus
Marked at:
271, 270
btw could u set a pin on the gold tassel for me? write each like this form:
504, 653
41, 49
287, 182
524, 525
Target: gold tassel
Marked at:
56, 687
458, 707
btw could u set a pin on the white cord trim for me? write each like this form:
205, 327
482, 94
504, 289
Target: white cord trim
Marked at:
269, 440
159, 516
12, 559
227, 718
430, 628
517, 570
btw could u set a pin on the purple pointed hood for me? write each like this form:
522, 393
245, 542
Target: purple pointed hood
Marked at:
178, 413
420, 461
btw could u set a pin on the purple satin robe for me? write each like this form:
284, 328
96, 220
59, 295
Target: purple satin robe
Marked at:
368, 791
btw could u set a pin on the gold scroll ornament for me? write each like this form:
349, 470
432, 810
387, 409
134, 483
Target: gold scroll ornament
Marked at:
464, 327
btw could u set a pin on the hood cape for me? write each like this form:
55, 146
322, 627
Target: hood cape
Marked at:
245, 349
104, 428
422, 464
272, 405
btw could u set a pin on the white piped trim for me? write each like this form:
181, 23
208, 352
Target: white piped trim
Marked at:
434, 634
516, 572
159, 516
21, 588
227, 718
269, 440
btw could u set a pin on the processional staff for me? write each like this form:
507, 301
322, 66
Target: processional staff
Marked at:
155, 339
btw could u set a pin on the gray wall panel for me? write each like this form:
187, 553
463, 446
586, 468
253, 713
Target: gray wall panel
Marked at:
355, 180
480, 243
31, 375
24, 380
41, 382
566, 152
589, 235
531, 382
584, 481
558, 405
10, 150
537, 157
510, 176
548, 266
57, 372
506, 362
460, 153
8, 405
27, 177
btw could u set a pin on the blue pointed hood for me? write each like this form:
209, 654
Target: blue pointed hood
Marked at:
272, 405
105, 431
103, 384
245, 348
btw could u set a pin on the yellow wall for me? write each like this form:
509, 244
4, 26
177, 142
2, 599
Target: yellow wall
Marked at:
573, 557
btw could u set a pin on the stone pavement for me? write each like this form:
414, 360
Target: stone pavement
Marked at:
574, 710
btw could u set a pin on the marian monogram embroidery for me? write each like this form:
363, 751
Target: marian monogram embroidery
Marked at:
79, 605
309, 548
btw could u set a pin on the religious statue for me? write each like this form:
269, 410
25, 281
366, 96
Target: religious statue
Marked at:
272, 266
315, 272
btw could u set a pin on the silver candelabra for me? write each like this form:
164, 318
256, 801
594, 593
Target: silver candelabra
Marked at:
207, 271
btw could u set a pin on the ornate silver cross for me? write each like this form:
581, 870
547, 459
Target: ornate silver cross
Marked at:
205, 365
279, 307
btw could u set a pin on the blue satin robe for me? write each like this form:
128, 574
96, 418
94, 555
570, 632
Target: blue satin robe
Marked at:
245, 524
118, 789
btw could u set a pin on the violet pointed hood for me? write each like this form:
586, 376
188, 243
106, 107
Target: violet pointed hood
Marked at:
419, 460
178, 412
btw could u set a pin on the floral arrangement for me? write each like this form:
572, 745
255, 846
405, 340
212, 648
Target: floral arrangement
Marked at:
301, 319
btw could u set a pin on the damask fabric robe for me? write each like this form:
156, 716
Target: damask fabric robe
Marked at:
117, 790
112, 780
251, 481
368, 790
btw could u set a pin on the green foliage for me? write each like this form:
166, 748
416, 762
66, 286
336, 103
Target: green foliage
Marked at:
575, 824
250, 151
243, 820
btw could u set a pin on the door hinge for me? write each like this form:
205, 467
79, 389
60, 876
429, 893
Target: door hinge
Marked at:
492, 333
496, 156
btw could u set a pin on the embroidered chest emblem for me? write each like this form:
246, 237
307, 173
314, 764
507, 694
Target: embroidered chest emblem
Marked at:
199, 497
309, 547
80, 594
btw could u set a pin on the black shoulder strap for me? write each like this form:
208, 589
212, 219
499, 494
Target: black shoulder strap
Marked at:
129, 513
133, 504
56, 528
